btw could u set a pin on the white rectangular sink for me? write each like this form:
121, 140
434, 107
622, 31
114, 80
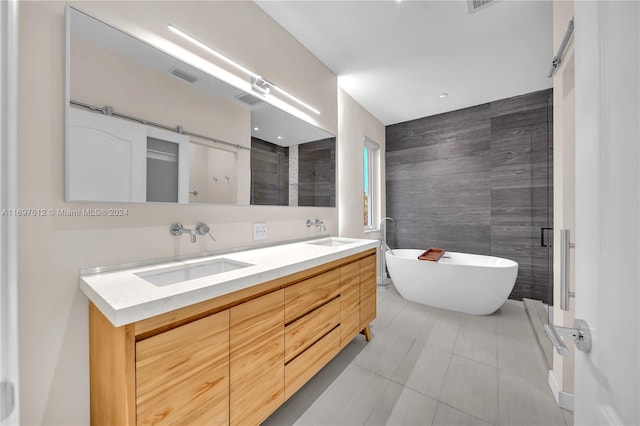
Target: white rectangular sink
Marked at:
330, 242
178, 274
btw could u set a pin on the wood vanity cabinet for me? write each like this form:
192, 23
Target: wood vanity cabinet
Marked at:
233, 359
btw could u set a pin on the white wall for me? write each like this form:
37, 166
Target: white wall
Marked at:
54, 362
354, 123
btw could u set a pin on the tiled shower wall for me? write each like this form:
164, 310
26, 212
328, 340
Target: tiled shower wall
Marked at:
477, 180
270, 167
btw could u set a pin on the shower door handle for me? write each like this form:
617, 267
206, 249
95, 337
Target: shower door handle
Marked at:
565, 245
545, 241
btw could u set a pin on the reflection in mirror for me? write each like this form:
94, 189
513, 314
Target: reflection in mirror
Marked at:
173, 133
212, 175
298, 175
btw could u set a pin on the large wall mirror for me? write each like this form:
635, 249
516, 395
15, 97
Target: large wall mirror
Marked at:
144, 126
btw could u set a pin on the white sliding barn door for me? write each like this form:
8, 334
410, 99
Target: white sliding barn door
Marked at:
607, 240
106, 158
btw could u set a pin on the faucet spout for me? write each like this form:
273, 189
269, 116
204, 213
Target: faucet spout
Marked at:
177, 229
390, 219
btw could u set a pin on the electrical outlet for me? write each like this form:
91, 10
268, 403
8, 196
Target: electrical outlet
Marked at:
259, 231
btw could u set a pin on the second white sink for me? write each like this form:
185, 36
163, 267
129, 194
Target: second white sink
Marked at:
178, 274
330, 242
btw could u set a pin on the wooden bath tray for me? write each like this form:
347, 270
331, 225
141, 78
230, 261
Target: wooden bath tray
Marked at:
432, 255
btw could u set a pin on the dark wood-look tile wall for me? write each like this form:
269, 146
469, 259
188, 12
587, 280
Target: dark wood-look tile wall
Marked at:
317, 173
269, 174
477, 180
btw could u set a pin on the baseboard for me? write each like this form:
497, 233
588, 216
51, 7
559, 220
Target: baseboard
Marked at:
563, 399
538, 317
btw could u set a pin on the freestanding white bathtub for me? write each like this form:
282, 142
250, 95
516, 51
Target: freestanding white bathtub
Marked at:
469, 283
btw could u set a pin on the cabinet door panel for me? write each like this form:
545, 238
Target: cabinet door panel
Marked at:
182, 374
367, 290
307, 295
349, 302
257, 358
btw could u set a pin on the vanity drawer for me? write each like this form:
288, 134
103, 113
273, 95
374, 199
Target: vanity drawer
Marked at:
301, 334
308, 363
305, 296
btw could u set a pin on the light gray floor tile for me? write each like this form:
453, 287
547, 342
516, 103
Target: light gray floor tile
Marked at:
449, 416
292, 410
484, 323
472, 387
449, 316
477, 343
522, 403
354, 347
384, 353
402, 406
387, 310
408, 322
349, 400
439, 332
388, 292
523, 357
568, 417
424, 370
512, 321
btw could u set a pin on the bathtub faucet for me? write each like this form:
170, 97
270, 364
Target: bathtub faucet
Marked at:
383, 247
383, 229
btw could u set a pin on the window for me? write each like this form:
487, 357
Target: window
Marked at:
370, 200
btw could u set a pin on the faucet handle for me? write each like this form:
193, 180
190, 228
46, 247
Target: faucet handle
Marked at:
176, 229
202, 229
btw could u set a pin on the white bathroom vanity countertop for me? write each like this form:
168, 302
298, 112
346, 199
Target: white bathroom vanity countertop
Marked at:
125, 297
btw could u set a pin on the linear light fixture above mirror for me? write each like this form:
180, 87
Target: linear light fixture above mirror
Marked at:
259, 84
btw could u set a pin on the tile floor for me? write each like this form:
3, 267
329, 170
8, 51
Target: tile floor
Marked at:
428, 366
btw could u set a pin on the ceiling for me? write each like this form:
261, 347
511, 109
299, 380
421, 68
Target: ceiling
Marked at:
397, 58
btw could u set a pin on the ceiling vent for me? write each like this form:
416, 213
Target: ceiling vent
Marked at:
248, 99
475, 5
183, 75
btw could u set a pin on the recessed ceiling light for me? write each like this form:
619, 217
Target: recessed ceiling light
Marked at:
255, 128
279, 137
397, 1
444, 95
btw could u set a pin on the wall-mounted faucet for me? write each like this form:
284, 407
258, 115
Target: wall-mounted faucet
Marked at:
201, 229
177, 229
317, 223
